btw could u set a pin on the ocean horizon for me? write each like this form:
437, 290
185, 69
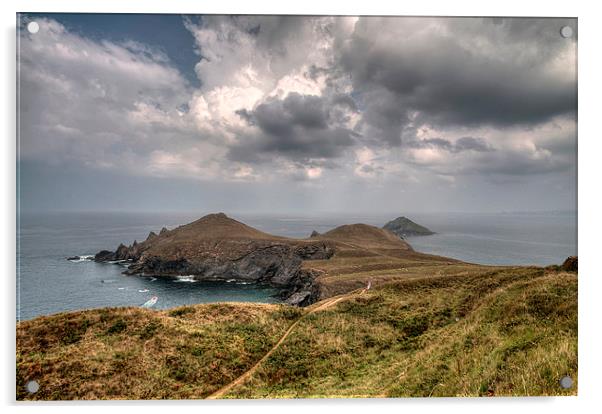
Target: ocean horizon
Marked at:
49, 283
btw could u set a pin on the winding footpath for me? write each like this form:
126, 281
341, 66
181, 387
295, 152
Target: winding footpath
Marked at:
245, 376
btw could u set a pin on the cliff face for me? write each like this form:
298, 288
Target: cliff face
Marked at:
218, 248
275, 263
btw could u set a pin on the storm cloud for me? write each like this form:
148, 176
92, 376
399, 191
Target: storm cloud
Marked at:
327, 103
467, 72
300, 127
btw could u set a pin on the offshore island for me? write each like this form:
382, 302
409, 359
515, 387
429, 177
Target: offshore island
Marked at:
364, 315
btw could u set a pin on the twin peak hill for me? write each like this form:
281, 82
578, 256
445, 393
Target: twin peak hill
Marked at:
219, 248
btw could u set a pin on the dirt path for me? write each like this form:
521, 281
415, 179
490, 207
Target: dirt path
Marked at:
224, 390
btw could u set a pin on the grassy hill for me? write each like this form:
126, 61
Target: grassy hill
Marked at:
213, 234
425, 328
365, 236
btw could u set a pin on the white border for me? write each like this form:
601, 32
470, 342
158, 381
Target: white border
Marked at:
590, 209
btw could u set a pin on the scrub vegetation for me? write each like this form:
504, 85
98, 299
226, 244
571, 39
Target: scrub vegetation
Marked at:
462, 330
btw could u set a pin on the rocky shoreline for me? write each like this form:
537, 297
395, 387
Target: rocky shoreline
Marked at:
249, 257
217, 248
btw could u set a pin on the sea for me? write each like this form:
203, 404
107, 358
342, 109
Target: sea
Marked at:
48, 283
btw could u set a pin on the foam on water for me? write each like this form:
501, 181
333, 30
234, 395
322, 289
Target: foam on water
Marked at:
186, 279
82, 258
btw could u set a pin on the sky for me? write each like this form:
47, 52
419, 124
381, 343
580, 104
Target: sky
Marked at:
296, 114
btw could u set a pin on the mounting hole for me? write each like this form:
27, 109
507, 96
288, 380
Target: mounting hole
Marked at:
33, 27
566, 31
32, 387
566, 382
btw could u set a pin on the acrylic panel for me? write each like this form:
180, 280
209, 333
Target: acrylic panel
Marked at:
221, 206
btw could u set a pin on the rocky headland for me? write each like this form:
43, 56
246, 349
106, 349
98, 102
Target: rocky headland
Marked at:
219, 248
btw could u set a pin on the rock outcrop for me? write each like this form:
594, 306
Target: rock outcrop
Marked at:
404, 227
570, 264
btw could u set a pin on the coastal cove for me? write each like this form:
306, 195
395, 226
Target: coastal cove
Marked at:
49, 283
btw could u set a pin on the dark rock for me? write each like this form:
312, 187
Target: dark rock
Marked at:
315, 251
163, 230
156, 266
74, 258
297, 298
275, 264
122, 252
570, 264
104, 256
151, 236
302, 291
314, 234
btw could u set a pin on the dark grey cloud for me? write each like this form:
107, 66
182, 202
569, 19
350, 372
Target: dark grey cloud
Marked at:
298, 127
468, 72
400, 108
346, 101
472, 144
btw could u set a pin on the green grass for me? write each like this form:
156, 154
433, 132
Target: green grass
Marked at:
507, 333
135, 353
502, 331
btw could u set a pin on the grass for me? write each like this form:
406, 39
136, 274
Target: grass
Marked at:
517, 336
435, 329
135, 353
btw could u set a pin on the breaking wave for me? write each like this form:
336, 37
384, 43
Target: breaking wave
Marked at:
189, 279
83, 258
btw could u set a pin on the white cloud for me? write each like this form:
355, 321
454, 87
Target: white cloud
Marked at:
126, 106
313, 172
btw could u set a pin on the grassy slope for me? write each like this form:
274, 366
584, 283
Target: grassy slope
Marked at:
510, 332
135, 353
427, 328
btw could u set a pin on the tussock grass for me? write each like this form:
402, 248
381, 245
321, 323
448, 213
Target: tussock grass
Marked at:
505, 332
449, 329
135, 353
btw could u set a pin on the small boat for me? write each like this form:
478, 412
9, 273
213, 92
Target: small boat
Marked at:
150, 303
